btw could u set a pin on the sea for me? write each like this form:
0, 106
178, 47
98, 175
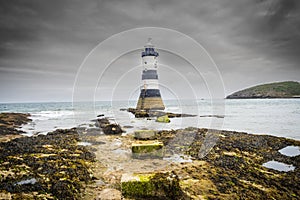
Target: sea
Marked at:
278, 117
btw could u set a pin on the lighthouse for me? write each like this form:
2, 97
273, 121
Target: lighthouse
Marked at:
150, 98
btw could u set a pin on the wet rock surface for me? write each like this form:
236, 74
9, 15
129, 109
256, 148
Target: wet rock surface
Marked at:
152, 186
10, 121
223, 165
107, 127
154, 113
233, 168
112, 129
48, 166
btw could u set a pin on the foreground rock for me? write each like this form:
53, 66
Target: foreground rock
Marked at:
233, 167
222, 165
152, 186
203, 164
49, 166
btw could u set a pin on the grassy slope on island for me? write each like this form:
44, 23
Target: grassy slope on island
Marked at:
287, 89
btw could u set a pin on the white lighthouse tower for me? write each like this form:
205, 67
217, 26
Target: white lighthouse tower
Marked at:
150, 97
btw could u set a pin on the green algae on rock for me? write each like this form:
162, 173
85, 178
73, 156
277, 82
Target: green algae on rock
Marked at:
10, 121
161, 185
234, 168
163, 119
149, 148
59, 166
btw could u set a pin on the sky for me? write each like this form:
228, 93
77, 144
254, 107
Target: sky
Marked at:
43, 44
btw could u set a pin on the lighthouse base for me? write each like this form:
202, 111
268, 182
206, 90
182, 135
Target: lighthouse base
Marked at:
150, 103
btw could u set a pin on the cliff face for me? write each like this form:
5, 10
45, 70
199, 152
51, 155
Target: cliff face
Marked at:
287, 89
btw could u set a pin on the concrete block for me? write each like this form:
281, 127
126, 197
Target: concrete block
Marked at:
144, 134
152, 148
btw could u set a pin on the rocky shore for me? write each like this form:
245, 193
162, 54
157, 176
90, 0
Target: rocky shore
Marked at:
9, 122
51, 166
154, 113
86, 163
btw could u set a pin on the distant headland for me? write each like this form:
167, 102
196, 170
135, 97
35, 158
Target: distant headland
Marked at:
286, 89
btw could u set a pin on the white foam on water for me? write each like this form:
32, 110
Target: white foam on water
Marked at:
49, 115
47, 121
279, 166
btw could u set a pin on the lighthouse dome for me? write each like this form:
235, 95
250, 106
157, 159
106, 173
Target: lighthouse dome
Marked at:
149, 49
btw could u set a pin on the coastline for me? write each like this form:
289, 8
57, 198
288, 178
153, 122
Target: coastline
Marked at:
232, 168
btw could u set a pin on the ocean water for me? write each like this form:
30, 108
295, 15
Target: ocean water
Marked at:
279, 117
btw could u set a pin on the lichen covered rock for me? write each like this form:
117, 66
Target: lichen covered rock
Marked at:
151, 148
163, 119
49, 166
162, 185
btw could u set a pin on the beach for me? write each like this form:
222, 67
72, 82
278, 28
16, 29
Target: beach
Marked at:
198, 163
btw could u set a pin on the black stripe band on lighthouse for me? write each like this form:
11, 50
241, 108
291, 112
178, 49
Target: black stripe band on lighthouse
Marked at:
150, 98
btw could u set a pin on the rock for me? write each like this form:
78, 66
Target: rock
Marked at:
14, 120
163, 119
112, 129
101, 115
10, 121
51, 166
141, 114
109, 194
151, 186
155, 113
102, 122
93, 131
128, 126
141, 149
144, 134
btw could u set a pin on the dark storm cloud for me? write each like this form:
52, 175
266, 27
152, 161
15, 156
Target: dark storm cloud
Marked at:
279, 11
252, 41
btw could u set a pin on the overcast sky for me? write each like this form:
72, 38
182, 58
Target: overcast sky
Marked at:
44, 42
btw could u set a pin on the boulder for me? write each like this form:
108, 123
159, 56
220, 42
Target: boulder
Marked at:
112, 129
151, 186
102, 122
163, 119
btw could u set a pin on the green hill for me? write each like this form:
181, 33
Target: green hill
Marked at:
287, 89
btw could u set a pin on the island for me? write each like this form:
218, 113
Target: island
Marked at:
286, 89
